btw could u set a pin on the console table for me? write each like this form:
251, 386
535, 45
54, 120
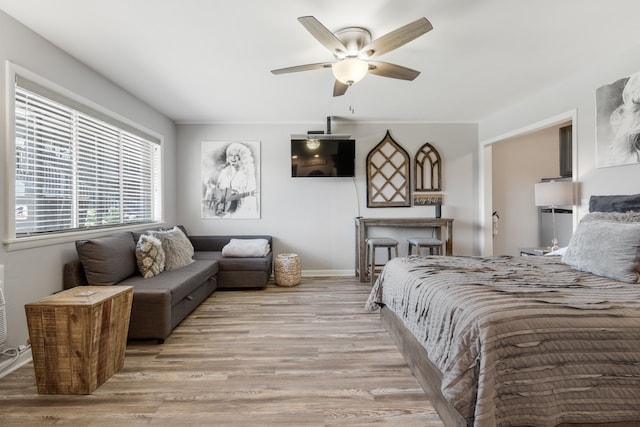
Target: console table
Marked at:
363, 224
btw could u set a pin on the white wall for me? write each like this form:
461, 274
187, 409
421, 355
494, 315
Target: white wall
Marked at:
518, 163
577, 93
31, 274
314, 217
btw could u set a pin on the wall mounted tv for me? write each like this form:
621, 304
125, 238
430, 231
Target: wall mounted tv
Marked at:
322, 156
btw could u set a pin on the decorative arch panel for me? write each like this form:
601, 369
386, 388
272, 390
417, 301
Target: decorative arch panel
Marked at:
388, 175
428, 169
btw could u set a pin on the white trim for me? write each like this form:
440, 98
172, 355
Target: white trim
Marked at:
10, 151
14, 69
534, 127
486, 199
486, 166
40, 240
328, 273
321, 126
11, 241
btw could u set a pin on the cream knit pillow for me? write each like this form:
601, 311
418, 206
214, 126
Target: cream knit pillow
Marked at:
177, 247
150, 256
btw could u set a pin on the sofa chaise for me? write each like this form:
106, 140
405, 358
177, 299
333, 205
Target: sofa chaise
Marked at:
162, 300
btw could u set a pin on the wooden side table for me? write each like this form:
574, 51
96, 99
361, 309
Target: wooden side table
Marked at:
79, 337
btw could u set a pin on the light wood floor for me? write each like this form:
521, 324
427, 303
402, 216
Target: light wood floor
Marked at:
302, 356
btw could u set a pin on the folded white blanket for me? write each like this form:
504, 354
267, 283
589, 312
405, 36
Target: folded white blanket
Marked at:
246, 248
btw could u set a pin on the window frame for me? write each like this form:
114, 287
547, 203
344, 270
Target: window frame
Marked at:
13, 242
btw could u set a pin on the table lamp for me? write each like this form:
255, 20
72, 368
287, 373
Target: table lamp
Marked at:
553, 194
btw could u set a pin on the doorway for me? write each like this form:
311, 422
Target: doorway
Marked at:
512, 164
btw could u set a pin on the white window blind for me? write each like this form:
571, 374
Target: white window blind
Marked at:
76, 168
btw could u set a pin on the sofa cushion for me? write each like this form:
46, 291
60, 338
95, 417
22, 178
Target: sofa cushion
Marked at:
179, 282
108, 260
150, 256
178, 250
235, 264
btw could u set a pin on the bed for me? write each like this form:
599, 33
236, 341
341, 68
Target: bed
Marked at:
525, 341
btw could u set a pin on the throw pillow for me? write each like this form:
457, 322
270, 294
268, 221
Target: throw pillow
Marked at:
178, 250
108, 260
150, 256
606, 247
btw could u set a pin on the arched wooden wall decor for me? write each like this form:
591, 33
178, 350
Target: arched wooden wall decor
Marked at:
388, 175
428, 169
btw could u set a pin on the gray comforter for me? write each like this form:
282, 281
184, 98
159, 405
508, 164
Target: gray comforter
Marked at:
522, 341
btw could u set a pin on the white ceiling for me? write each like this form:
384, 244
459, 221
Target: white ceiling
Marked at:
210, 60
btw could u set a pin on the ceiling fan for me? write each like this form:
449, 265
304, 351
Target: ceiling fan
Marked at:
352, 47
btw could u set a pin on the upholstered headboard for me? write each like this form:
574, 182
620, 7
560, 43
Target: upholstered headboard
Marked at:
614, 203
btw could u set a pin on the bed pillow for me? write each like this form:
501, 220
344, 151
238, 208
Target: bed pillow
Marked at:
607, 244
616, 203
246, 248
107, 260
178, 250
149, 256
630, 216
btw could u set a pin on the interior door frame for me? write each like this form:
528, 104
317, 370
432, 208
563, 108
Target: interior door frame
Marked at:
486, 171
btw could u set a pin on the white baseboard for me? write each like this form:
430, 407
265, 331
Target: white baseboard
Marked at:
328, 273
22, 360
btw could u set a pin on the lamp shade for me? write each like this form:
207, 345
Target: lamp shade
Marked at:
554, 193
350, 70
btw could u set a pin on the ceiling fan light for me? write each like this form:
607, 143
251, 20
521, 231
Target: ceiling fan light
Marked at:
350, 70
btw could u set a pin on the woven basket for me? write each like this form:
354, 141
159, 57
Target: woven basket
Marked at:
287, 269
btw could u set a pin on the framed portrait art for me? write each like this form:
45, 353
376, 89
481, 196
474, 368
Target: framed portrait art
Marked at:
230, 175
618, 122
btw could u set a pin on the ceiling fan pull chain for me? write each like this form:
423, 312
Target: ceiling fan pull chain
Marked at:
353, 110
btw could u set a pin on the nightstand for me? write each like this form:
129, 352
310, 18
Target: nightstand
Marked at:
533, 251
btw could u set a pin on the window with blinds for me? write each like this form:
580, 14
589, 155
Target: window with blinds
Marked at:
74, 170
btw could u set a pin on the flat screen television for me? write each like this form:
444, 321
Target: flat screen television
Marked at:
322, 157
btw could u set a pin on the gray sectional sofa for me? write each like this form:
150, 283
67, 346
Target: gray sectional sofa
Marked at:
161, 302
234, 272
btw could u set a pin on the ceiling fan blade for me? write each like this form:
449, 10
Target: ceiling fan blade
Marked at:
386, 69
339, 88
323, 35
397, 38
305, 67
